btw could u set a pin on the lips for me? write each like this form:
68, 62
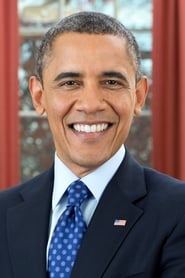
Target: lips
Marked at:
90, 128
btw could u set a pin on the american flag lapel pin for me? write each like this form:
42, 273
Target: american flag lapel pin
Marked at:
120, 222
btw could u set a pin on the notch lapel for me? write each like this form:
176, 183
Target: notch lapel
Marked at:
103, 238
27, 226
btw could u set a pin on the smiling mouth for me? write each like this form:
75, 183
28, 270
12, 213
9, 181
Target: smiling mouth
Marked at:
91, 128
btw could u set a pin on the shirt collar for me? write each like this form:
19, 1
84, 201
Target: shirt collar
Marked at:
96, 181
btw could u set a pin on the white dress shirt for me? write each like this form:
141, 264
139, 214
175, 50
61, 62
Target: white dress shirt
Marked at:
96, 182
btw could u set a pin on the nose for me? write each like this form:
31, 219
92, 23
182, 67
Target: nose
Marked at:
91, 99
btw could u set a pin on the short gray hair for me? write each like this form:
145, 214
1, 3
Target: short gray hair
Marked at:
90, 23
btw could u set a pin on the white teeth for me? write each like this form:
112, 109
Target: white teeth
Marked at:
90, 128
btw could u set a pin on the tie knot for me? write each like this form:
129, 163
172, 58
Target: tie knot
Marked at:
77, 193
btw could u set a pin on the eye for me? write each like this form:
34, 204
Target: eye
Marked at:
112, 84
69, 84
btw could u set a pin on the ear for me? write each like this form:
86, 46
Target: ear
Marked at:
36, 91
141, 94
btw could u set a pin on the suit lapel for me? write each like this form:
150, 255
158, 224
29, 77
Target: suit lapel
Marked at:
103, 238
27, 226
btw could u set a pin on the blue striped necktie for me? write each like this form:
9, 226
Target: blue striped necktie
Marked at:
68, 233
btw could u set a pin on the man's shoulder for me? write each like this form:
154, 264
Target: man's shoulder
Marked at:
160, 180
164, 191
13, 194
159, 188
153, 179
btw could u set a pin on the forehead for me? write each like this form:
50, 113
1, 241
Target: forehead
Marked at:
74, 39
87, 50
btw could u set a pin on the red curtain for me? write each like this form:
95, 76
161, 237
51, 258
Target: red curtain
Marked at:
9, 149
168, 87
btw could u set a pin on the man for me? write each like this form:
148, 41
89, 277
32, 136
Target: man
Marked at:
89, 84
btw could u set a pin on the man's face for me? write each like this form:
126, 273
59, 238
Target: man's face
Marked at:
90, 95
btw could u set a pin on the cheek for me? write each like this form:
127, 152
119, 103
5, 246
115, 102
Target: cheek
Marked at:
124, 108
56, 107
125, 112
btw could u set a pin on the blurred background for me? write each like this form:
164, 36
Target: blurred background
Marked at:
26, 146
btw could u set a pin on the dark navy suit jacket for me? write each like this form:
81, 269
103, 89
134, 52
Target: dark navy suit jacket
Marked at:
150, 245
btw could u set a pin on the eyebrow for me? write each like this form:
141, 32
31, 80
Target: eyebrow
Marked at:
68, 74
73, 74
115, 74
